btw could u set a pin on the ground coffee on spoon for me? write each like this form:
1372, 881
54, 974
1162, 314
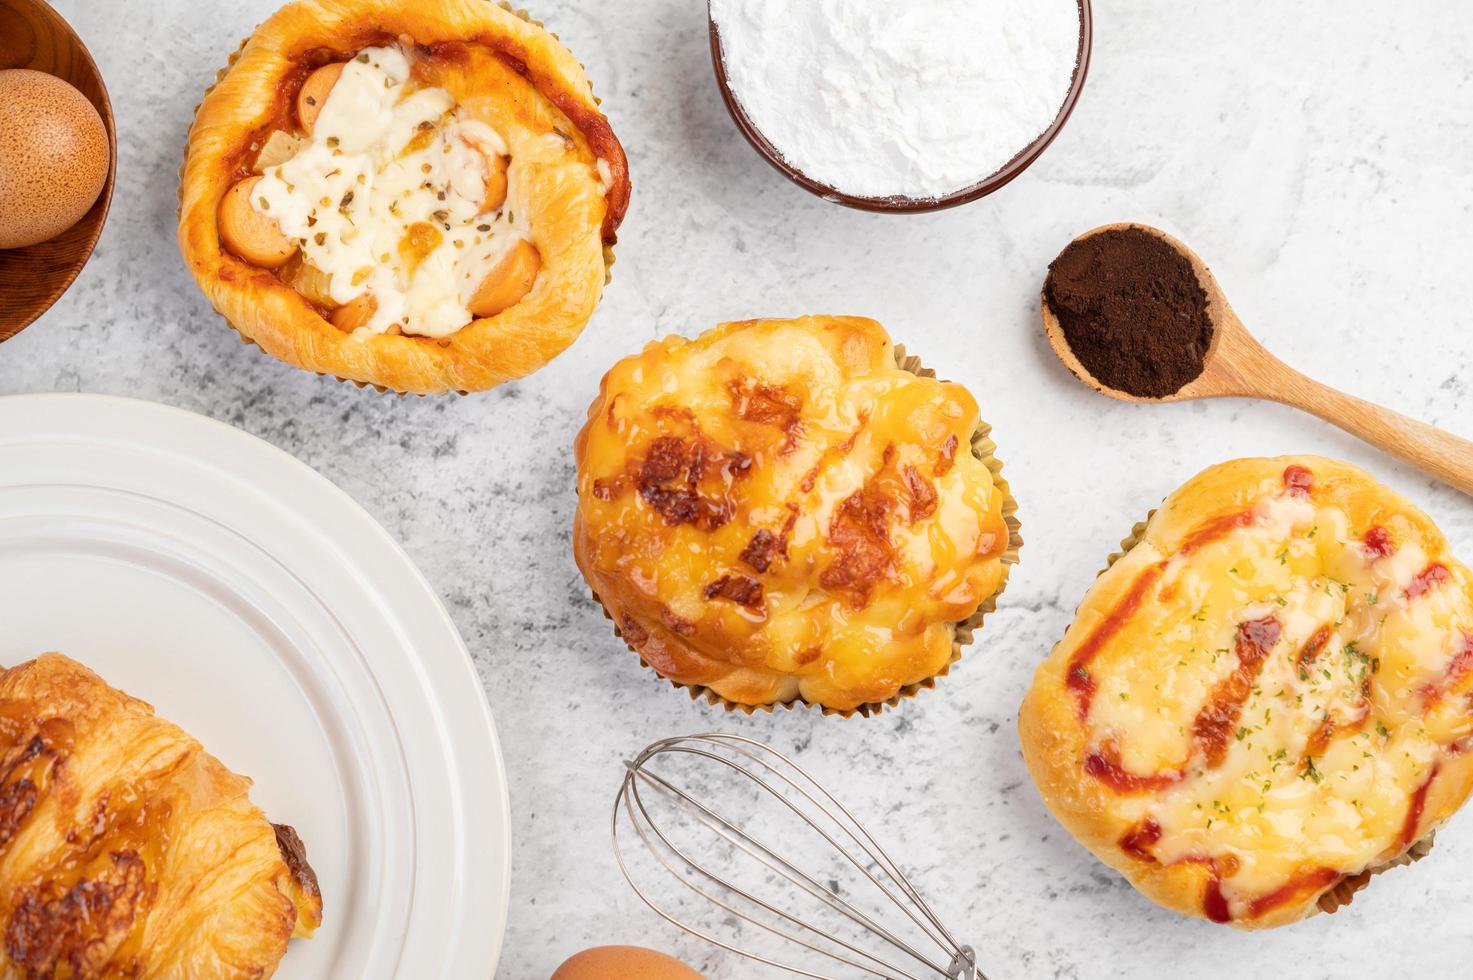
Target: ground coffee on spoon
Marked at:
1132, 310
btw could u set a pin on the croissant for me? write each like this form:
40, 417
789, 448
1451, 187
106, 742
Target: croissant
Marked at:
127, 850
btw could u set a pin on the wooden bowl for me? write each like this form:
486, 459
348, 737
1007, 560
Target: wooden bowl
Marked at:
32, 35
910, 205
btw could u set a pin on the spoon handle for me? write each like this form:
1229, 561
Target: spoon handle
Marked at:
1441, 454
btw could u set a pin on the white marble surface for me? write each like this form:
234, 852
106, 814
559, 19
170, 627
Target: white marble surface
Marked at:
1318, 154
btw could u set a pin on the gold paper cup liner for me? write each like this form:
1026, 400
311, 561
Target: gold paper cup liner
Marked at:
1342, 894
179, 204
985, 450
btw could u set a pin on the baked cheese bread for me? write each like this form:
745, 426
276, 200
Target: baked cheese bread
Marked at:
126, 850
1267, 698
777, 511
418, 196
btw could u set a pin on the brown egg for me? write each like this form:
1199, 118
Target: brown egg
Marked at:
53, 156
623, 963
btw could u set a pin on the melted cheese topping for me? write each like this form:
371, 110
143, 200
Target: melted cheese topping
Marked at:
1279, 696
775, 509
385, 198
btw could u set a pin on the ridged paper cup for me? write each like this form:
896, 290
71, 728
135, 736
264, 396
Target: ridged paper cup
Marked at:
179, 198
985, 450
1342, 894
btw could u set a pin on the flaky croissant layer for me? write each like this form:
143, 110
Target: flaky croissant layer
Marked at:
127, 850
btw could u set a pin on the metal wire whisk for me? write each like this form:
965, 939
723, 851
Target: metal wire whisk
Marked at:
667, 798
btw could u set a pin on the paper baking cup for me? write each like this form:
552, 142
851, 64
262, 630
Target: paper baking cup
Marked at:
381, 389
1342, 894
985, 450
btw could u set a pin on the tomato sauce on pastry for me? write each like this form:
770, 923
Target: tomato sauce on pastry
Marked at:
419, 197
1267, 698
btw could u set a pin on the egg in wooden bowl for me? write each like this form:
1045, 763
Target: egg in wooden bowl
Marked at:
58, 151
53, 157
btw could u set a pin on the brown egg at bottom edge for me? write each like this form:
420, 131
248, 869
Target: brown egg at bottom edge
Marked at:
623, 963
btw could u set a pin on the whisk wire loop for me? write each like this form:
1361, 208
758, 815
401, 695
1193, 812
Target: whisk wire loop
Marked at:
851, 826
854, 830
924, 924
759, 850
720, 904
779, 778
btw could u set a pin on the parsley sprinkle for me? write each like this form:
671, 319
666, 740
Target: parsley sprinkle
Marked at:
1310, 772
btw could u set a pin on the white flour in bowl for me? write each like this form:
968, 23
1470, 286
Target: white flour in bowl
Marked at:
909, 98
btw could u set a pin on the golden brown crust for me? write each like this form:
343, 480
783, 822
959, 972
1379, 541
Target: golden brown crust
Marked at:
776, 512
501, 67
1108, 726
126, 849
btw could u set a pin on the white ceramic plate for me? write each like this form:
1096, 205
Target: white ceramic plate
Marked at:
255, 604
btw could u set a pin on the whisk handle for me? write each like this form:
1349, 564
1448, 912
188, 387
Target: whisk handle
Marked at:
964, 966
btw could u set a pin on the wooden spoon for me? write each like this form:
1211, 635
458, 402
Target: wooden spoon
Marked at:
1238, 366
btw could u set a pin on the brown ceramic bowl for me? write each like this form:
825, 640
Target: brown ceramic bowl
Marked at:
910, 205
32, 35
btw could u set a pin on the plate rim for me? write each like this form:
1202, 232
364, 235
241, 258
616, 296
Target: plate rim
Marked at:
158, 425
